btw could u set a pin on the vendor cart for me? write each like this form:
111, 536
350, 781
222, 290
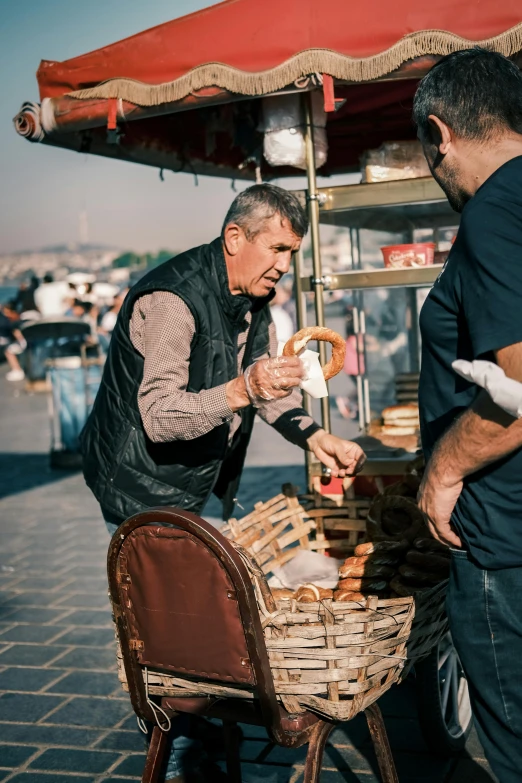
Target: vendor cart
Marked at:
201, 108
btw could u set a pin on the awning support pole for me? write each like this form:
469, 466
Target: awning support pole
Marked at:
313, 214
300, 306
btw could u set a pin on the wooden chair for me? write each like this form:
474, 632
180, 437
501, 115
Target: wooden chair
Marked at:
184, 604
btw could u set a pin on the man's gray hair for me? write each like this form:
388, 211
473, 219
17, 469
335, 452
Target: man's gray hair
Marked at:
252, 208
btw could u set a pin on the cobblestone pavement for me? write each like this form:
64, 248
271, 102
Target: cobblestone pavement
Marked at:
63, 716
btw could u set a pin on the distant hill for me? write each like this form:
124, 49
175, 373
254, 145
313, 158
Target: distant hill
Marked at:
58, 249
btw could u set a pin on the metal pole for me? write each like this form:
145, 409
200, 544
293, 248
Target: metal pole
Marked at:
313, 214
300, 306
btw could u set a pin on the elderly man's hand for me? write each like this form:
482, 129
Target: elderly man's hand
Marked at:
437, 498
343, 457
265, 380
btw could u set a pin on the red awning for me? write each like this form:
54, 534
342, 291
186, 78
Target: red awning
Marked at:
253, 48
185, 95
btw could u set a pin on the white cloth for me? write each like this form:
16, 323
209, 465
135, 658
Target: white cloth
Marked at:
505, 392
50, 298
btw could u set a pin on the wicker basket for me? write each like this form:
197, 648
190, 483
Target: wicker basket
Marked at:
333, 658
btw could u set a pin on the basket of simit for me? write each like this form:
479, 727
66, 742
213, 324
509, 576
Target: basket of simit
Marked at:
336, 652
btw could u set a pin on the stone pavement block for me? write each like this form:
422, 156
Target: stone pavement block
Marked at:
49, 777
61, 760
43, 583
89, 600
86, 684
5, 772
132, 765
33, 615
117, 780
405, 734
253, 732
349, 758
412, 768
91, 571
124, 740
15, 755
265, 773
29, 655
100, 618
91, 585
351, 732
39, 634
32, 598
472, 771
88, 637
399, 701
102, 713
85, 658
255, 750
130, 723
48, 735
25, 707
24, 679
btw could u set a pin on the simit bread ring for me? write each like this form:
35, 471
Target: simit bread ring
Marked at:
378, 547
296, 343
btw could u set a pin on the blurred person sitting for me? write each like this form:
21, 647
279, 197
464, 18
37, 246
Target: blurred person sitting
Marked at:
11, 340
109, 318
50, 297
25, 301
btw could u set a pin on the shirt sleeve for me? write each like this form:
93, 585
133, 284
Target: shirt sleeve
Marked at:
168, 411
287, 415
491, 279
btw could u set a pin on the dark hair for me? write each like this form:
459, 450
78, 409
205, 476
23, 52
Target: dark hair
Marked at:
476, 92
254, 206
48, 278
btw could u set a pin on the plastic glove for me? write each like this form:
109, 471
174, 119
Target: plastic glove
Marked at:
272, 379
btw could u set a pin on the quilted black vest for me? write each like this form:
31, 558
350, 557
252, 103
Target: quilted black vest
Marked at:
126, 471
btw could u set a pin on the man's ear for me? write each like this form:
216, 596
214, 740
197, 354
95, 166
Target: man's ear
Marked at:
441, 134
233, 238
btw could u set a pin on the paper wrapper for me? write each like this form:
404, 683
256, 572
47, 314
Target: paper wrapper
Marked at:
313, 383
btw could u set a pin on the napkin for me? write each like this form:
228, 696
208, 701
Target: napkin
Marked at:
313, 382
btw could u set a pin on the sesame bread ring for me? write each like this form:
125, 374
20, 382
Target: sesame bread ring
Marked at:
296, 344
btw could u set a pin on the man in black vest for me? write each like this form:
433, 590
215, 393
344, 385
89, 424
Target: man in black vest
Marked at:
192, 358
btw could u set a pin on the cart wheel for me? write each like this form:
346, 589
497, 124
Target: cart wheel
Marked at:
443, 700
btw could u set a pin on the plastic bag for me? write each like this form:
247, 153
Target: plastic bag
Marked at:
307, 568
394, 160
283, 126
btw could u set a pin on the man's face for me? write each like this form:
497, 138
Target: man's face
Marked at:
447, 172
261, 263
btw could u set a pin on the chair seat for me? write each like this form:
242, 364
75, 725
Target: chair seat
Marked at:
239, 710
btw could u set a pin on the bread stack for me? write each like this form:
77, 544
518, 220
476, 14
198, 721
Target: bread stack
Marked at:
400, 428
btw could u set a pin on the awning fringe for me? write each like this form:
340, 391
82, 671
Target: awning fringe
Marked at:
340, 66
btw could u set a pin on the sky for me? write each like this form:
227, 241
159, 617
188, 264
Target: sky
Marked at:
43, 189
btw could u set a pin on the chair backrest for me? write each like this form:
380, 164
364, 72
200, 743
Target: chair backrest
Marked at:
184, 603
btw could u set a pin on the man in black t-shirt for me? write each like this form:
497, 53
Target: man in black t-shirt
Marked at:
468, 112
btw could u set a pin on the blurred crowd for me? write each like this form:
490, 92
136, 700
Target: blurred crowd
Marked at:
79, 297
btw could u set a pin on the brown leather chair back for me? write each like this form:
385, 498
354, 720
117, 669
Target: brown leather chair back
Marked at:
184, 602
181, 606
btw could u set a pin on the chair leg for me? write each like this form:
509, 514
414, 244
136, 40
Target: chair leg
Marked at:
381, 744
231, 734
314, 756
159, 743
